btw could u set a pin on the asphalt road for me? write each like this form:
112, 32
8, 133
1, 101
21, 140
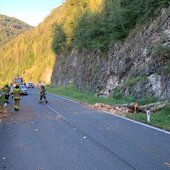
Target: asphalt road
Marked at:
65, 135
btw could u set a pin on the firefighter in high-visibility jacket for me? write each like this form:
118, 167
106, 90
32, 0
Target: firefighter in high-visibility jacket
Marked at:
43, 94
6, 90
16, 97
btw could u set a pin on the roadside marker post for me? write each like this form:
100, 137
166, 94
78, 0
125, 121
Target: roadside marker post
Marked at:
148, 114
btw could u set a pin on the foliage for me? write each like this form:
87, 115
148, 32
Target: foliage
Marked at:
30, 54
147, 100
166, 68
90, 98
11, 27
117, 93
59, 44
91, 24
133, 81
99, 29
162, 52
83, 96
159, 119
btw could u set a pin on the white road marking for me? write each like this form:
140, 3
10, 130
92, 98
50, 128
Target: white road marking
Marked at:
64, 98
152, 127
53, 110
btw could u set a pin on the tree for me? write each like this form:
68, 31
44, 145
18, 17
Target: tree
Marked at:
59, 39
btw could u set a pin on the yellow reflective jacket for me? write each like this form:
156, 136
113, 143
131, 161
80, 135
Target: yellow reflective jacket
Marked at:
42, 91
6, 90
16, 93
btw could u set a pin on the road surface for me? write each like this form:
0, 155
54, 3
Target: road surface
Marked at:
65, 135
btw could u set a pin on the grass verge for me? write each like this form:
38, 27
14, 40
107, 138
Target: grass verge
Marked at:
159, 119
83, 96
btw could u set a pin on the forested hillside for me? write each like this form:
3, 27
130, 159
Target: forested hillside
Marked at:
97, 25
11, 27
29, 55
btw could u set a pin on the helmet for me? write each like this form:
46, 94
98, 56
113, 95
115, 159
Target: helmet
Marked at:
17, 85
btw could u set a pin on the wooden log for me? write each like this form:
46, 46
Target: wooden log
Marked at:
125, 105
153, 106
131, 107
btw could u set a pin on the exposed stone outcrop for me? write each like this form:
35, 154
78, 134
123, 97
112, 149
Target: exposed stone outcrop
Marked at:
138, 66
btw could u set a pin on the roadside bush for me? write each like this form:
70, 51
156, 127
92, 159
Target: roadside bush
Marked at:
133, 81
117, 93
59, 39
162, 51
166, 68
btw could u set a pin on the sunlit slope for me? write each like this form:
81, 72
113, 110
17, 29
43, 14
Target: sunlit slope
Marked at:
11, 27
30, 54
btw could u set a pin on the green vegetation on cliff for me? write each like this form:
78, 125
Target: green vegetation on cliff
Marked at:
98, 28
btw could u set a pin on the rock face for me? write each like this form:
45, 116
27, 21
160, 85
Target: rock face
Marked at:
137, 66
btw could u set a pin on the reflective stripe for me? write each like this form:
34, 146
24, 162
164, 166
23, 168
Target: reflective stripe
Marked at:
16, 93
16, 97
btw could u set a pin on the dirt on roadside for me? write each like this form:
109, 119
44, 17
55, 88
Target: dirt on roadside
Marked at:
4, 112
108, 108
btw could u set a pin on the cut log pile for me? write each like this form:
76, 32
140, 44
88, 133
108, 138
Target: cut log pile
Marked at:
108, 108
152, 107
125, 108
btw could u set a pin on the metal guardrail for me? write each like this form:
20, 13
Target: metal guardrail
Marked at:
1, 94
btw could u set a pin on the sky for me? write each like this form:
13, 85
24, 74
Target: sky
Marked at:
30, 11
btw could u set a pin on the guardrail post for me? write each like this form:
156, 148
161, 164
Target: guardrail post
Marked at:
148, 114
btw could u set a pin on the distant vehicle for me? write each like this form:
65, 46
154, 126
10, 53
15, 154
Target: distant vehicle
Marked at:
30, 85
17, 80
23, 89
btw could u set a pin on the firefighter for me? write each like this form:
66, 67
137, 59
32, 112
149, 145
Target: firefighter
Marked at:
16, 96
6, 90
11, 90
42, 94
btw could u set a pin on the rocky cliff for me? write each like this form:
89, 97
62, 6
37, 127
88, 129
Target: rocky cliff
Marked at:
137, 66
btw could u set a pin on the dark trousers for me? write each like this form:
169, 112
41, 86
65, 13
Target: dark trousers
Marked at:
42, 96
6, 97
16, 103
